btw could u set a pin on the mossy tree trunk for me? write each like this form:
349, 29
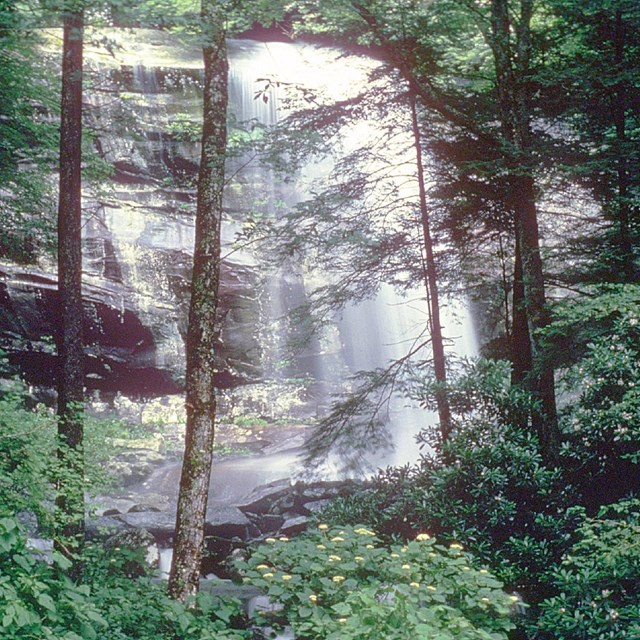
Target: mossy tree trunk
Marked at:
70, 498
202, 330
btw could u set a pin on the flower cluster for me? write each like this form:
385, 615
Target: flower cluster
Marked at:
333, 581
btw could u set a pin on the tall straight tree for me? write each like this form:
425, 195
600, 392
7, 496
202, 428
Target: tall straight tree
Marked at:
509, 39
70, 498
431, 277
202, 330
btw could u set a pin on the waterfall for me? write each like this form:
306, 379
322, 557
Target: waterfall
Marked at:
366, 335
139, 236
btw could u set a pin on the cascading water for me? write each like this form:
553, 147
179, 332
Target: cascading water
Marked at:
374, 332
150, 228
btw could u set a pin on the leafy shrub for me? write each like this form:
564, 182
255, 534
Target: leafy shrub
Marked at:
580, 321
141, 610
338, 583
601, 428
26, 447
598, 581
38, 601
487, 487
492, 493
182, 127
28, 461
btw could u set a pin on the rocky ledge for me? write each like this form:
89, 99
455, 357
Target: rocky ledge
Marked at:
277, 508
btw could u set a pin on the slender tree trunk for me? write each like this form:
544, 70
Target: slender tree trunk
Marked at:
202, 331
539, 380
506, 287
437, 342
70, 497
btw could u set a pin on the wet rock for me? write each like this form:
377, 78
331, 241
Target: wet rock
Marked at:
160, 524
133, 329
263, 604
261, 499
268, 523
283, 498
139, 508
315, 506
41, 549
226, 522
101, 527
132, 466
114, 505
28, 521
294, 526
284, 504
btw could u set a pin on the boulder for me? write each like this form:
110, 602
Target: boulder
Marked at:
268, 523
294, 526
160, 524
226, 522
101, 527
261, 499
134, 465
140, 508
315, 506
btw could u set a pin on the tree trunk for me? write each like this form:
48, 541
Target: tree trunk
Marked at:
70, 497
512, 71
520, 344
539, 380
202, 330
437, 343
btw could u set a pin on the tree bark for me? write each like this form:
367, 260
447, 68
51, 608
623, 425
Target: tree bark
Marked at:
437, 342
70, 497
520, 344
539, 379
202, 331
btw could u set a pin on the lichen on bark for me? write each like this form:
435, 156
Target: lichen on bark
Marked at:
203, 326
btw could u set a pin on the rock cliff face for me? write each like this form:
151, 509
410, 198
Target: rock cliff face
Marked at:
144, 104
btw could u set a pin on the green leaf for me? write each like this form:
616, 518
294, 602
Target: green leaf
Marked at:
61, 561
342, 608
24, 562
88, 632
46, 601
95, 617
